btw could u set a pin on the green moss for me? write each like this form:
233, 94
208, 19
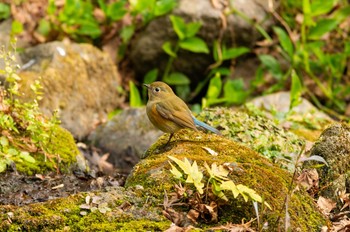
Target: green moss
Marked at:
248, 168
61, 154
256, 131
64, 215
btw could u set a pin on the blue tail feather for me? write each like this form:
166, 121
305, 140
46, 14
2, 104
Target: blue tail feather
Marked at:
205, 126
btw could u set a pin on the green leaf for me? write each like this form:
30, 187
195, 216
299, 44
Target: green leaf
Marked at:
285, 41
89, 28
217, 172
319, 7
12, 152
179, 26
247, 193
116, 10
127, 32
194, 44
151, 76
3, 165
192, 29
229, 185
176, 173
342, 14
168, 49
193, 174
322, 27
216, 48
44, 27
26, 157
135, 99
307, 13
16, 27
272, 66
102, 5
162, 7
183, 91
177, 78
234, 91
232, 53
296, 91
5, 11
215, 86
4, 141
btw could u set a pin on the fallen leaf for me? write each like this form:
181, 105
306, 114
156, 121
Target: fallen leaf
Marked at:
308, 179
326, 205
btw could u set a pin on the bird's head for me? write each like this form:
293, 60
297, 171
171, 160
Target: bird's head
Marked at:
158, 90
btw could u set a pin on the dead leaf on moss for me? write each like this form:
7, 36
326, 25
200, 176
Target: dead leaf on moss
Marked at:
326, 205
178, 218
235, 227
341, 226
308, 179
193, 216
345, 199
175, 228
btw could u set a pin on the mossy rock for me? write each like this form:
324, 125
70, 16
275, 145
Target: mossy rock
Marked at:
334, 146
256, 131
124, 211
62, 152
249, 169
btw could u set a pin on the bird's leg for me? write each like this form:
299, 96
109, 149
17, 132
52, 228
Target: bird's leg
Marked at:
171, 135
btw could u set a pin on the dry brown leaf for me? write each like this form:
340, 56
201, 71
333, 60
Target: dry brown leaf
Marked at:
178, 218
235, 227
193, 215
308, 179
326, 205
344, 198
341, 226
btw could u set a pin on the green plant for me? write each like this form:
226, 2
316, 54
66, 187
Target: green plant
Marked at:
75, 19
5, 11
234, 91
187, 40
320, 54
25, 132
218, 180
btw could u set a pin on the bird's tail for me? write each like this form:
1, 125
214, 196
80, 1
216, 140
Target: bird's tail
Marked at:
205, 126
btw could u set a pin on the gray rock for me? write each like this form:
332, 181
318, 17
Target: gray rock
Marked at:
281, 101
126, 137
334, 146
146, 50
78, 79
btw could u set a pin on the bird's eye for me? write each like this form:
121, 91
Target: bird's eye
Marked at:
157, 89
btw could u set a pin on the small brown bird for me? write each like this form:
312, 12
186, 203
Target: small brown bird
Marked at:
168, 112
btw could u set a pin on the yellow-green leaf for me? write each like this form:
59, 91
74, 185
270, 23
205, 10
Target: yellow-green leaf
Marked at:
176, 173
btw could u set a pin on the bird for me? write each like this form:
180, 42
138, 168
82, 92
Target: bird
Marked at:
168, 112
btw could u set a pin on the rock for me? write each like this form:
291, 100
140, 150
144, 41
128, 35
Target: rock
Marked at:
305, 120
126, 137
146, 49
246, 167
334, 146
257, 132
280, 102
78, 79
115, 210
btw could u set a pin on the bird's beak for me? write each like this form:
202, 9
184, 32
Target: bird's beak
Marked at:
147, 86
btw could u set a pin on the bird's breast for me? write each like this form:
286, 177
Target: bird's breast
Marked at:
159, 121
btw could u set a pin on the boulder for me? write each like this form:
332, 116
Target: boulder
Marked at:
146, 49
125, 137
78, 80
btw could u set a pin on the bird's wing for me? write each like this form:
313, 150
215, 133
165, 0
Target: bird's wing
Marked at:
177, 113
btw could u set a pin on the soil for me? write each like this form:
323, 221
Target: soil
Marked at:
19, 189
